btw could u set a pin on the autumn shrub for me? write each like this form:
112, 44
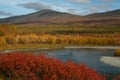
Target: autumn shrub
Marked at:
117, 52
20, 66
60, 39
2, 42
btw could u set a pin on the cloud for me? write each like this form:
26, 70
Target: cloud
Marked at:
5, 13
73, 11
35, 6
80, 1
108, 0
98, 8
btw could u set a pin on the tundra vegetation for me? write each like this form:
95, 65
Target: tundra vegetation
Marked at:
19, 66
36, 36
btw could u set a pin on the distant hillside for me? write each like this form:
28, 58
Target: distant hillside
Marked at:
42, 17
104, 18
111, 14
54, 17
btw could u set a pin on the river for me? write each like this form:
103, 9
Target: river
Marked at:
89, 56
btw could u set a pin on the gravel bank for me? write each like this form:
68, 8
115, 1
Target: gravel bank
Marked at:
114, 61
95, 47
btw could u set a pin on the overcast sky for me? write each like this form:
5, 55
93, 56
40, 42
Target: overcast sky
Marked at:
80, 7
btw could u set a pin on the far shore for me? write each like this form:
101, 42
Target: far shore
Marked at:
18, 50
66, 47
94, 47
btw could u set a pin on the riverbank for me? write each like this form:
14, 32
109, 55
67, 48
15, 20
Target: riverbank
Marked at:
18, 48
95, 47
14, 48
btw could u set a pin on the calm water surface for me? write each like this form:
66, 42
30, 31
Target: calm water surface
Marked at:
91, 57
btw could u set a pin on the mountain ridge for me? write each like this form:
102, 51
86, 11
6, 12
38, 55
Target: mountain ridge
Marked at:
113, 13
55, 17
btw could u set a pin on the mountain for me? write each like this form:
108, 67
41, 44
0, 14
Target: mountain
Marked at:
111, 14
104, 18
42, 17
54, 17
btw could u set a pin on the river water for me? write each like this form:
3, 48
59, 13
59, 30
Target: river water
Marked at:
91, 57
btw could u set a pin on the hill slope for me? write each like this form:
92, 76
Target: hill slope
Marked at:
54, 17
111, 14
42, 17
104, 18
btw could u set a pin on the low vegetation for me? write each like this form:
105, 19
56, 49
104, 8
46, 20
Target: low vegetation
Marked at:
58, 35
117, 52
19, 66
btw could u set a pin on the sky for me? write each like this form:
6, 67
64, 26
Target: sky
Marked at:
10, 8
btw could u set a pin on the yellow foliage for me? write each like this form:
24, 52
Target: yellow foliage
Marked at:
117, 52
2, 41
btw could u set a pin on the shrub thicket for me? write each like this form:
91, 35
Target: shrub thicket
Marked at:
19, 66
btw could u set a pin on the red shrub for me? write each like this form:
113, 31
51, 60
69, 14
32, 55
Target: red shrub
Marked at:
18, 66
